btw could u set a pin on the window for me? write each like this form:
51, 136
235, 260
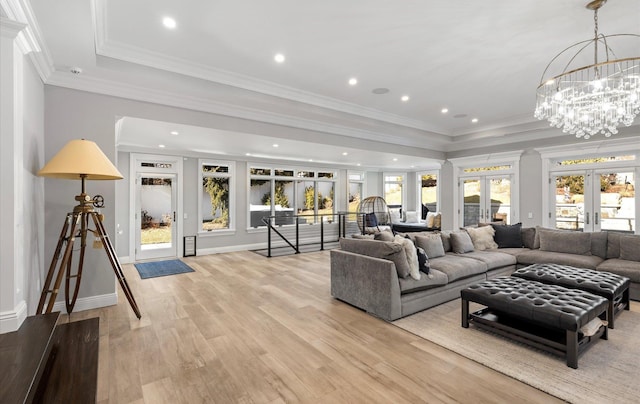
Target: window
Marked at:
285, 193
428, 191
355, 192
216, 196
394, 191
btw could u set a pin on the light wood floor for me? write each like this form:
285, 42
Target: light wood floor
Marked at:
248, 329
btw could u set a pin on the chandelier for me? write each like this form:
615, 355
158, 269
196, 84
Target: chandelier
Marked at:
592, 99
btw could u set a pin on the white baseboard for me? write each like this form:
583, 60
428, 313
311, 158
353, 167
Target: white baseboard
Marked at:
125, 260
88, 303
12, 320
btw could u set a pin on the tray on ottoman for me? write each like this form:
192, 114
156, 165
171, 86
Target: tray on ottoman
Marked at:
614, 288
548, 317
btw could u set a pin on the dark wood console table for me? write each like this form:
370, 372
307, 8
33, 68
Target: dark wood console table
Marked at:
45, 363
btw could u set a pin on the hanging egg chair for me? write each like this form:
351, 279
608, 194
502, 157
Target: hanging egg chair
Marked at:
372, 213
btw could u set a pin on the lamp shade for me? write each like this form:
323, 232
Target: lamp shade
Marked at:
78, 159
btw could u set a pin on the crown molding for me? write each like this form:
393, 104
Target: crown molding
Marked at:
113, 49
151, 95
30, 39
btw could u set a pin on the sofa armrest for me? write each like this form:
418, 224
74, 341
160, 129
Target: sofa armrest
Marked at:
367, 283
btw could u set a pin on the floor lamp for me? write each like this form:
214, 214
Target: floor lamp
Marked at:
80, 160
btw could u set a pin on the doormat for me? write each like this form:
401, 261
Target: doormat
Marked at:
162, 268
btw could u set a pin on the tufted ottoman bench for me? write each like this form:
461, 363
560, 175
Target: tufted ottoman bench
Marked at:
548, 317
614, 288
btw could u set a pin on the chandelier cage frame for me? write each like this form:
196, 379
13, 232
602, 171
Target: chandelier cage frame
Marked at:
592, 99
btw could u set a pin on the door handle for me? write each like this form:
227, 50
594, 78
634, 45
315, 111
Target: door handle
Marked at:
595, 217
488, 216
586, 221
174, 216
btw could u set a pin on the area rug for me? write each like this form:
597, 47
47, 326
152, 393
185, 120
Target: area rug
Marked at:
608, 372
162, 268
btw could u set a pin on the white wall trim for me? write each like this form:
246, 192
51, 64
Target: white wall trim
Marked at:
12, 320
88, 303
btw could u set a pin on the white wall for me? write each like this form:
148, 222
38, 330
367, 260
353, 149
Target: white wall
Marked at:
22, 196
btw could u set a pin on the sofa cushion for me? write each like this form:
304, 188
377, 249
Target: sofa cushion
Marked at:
458, 267
545, 257
599, 244
379, 249
411, 254
493, 258
482, 237
630, 248
630, 269
529, 237
512, 251
434, 279
432, 245
508, 236
461, 242
613, 245
565, 241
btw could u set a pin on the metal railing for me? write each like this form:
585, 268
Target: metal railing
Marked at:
269, 221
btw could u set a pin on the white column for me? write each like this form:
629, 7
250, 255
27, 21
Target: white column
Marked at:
13, 308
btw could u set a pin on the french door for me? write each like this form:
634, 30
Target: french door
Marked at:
486, 199
156, 216
593, 200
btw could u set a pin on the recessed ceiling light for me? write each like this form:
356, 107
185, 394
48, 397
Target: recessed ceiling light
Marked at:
405, 98
247, 154
161, 146
353, 81
395, 159
276, 145
169, 22
358, 164
444, 110
175, 132
310, 159
344, 153
279, 57
474, 120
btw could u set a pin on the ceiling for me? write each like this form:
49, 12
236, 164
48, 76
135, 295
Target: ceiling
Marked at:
478, 59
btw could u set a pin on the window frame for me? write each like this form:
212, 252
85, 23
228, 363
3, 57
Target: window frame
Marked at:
403, 183
419, 175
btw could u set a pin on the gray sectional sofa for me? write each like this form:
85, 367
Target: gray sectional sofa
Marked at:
363, 276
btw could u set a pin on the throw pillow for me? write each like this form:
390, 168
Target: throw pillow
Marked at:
570, 242
411, 254
384, 236
411, 217
482, 237
423, 261
430, 218
446, 240
395, 217
432, 245
437, 221
461, 242
630, 248
425, 210
508, 236
370, 220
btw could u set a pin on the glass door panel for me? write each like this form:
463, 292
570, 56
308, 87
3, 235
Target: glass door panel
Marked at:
472, 211
500, 200
617, 202
568, 193
156, 237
